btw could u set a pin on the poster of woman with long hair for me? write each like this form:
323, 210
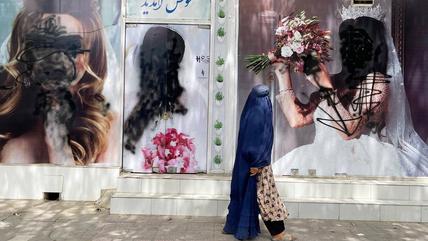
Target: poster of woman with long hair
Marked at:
166, 88
59, 85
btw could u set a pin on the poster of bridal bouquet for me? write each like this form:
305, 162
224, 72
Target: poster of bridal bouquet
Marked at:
298, 41
171, 152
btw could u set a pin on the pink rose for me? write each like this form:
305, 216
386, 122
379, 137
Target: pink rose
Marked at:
148, 157
300, 49
161, 152
159, 139
147, 164
147, 153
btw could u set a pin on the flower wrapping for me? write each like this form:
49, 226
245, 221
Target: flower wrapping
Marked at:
170, 149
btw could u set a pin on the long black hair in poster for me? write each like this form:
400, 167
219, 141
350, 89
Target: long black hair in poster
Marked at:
160, 55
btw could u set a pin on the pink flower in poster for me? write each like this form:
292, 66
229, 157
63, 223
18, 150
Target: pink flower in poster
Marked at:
173, 162
300, 49
160, 150
191, 146
162, 167
172, 149
186, 161
159, 139
148, 158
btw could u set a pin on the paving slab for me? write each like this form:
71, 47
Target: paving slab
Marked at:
35, 220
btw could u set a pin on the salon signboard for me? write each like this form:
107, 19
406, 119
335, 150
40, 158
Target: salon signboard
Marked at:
189, 10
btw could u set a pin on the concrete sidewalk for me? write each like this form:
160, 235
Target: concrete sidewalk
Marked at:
81, 221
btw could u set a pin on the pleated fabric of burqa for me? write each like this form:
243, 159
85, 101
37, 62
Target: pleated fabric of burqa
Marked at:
255, 140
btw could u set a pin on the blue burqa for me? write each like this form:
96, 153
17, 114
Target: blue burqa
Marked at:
254, 149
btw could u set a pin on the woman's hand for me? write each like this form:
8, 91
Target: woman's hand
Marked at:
280, 68
254, 171
273, 59
281, 71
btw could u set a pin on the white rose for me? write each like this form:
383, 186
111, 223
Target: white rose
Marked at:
286, 51
279, 31
297, 36
295, 45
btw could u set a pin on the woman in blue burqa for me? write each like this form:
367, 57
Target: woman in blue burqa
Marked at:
253, 189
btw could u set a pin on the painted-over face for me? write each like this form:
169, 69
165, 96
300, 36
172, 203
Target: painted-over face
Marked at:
74, 27
54, 50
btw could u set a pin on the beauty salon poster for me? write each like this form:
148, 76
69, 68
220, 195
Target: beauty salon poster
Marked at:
166, 98
315, 136
60, 88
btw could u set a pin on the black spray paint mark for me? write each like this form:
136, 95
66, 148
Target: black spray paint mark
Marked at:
161, 53
362, 105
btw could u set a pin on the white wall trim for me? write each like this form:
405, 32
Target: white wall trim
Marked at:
74, 183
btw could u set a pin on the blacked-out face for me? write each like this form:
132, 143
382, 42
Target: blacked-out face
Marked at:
54, 52
356, 48
53, 68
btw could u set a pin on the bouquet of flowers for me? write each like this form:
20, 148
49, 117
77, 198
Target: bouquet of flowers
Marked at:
298, 41
171, 150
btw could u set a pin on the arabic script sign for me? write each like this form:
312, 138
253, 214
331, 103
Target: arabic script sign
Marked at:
169, 9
